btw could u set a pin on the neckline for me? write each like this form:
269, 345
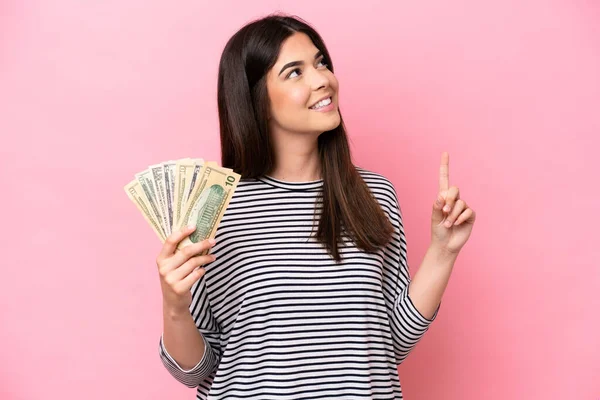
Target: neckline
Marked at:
306, 185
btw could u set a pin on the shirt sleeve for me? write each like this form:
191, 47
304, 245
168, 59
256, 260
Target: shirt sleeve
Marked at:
407, 324
204, 372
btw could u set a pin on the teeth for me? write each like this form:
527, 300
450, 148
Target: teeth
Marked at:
322, 103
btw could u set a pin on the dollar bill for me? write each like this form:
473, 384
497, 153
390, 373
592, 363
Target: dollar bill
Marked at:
187, 170
169, 168
136, 194
207, 203
177, 193
195, 180
158, 178
147, 183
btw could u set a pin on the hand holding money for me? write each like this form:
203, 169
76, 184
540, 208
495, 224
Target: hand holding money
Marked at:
178, 271
176, 194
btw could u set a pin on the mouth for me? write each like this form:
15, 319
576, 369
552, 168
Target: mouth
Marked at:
322, 104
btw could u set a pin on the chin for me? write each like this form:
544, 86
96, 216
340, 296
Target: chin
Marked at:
334, 123
333, 126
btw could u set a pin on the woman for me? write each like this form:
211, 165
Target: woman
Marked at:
306, 292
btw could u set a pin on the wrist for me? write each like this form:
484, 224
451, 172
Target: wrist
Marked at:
442, 253
175, 312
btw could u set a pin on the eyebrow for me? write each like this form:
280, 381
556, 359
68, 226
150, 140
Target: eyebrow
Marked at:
294, 63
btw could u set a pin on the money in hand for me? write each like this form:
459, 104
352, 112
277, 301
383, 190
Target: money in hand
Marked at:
175, 194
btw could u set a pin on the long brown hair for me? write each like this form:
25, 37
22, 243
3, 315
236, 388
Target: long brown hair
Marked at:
348, 205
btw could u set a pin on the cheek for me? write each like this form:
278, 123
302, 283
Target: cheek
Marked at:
298, 97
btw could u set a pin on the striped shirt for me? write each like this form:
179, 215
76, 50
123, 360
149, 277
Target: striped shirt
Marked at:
282, 320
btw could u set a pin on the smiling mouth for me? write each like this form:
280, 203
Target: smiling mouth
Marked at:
322, 104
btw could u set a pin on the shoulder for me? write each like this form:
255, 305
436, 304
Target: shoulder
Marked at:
376, 180
382, 188
378, 183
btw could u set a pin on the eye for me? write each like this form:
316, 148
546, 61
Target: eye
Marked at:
321, 61
294, 70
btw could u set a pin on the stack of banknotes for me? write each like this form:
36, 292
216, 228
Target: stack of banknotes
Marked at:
179, 193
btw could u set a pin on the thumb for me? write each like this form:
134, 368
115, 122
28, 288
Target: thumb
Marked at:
437, 215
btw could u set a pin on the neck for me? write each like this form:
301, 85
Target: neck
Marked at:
296, 159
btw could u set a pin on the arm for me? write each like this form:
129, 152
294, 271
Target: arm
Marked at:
182, 339
189, 346
408, 322
430, 281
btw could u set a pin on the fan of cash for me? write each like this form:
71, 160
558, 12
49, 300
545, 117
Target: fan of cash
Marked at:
178, 193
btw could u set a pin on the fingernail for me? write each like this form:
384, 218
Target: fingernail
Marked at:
448, 224
212, 241
191, 226
446, 208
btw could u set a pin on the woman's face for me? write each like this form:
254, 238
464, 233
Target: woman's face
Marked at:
294, 89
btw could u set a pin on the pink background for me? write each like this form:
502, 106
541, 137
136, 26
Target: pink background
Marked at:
92, 92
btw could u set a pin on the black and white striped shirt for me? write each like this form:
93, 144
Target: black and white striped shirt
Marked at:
281, 320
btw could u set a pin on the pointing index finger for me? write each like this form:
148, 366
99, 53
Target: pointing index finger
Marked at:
444, 172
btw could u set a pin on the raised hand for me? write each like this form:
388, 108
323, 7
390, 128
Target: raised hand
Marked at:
451, 220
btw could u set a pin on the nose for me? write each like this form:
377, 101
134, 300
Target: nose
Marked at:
318, 79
